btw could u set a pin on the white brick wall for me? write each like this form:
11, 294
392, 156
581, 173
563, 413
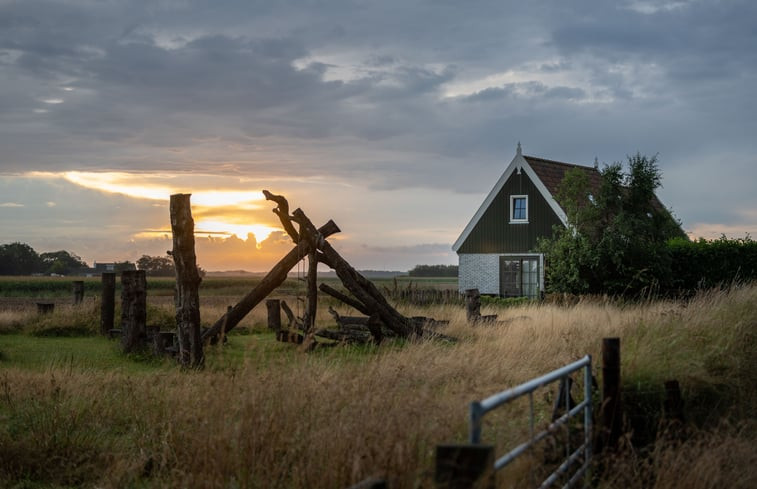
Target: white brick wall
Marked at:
479, 271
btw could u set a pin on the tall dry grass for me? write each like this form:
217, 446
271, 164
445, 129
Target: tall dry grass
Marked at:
331, 418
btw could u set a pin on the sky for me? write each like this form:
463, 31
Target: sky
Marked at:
394, 118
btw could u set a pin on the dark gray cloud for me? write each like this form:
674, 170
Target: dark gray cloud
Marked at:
389, 94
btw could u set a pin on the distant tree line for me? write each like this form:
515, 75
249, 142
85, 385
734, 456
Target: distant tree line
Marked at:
434, 271
22, 259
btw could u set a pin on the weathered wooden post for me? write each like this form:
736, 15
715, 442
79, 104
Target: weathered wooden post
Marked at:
472, 305
274, 314
188, 281
78, 291
107, 302
133, 309
612, 409
673, 401
312, 288
465, 467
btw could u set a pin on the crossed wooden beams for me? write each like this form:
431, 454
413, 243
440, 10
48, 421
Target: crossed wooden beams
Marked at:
312, 242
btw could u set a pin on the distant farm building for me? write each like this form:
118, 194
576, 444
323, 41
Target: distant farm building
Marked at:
496, 249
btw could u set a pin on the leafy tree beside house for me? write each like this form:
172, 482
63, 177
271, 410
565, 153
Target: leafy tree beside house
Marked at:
615, 241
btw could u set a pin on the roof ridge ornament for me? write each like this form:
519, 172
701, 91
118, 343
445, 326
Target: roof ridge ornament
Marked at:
519, 152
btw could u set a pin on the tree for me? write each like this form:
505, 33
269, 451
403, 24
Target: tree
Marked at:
61, 262
615, 241
157, 266
433, 271
19, 259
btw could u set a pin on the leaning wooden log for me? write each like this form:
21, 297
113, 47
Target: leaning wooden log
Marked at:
273, 279
344, 298
282, 210
188, 280
363, 290
294, 322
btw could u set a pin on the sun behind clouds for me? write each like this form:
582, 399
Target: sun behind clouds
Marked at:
218, 212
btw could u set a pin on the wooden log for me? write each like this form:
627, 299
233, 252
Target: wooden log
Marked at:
78, 287
107, 302
294, 322
273, 279
187, 298
282, 210
363, 290
344, 298
308, 321
274, 314
344, 336
133, 309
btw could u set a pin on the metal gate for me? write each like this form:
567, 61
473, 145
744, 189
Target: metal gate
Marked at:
479, 408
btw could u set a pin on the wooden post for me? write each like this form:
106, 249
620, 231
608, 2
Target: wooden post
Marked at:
133, 309
78, 291
673, 401
465, 467
612, 409
472, 305
312, 288
274, 314
187, 282
107, 302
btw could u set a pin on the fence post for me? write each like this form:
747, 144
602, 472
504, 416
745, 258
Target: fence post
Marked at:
274, 314
107, 302
133, 309
612, 409
464, 467
472, 305
78, 291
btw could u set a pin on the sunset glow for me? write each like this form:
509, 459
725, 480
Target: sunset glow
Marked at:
223, 205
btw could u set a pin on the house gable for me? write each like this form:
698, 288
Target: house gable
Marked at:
491, 230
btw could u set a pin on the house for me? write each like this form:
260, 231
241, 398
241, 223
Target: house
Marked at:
495, 249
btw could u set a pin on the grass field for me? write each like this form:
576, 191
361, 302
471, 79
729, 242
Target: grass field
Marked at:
75, 412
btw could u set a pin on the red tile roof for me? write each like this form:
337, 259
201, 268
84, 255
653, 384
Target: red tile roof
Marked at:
551, 173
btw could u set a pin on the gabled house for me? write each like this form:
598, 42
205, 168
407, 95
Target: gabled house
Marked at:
495, 249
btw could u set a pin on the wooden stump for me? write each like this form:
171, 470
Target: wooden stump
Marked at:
78, 291
107, 302
45, 307
472, 305
274, 314
133, 309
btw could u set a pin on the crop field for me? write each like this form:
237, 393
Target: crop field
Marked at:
75, 412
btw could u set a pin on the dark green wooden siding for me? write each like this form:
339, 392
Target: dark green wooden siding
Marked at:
495, 234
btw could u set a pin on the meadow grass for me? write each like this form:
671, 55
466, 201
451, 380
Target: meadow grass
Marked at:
75, 412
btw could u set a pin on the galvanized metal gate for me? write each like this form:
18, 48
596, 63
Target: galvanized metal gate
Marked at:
479, 408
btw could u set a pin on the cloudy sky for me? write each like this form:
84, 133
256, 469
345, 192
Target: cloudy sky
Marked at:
393, 117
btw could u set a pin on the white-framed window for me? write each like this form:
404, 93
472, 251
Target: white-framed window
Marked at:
518, 208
